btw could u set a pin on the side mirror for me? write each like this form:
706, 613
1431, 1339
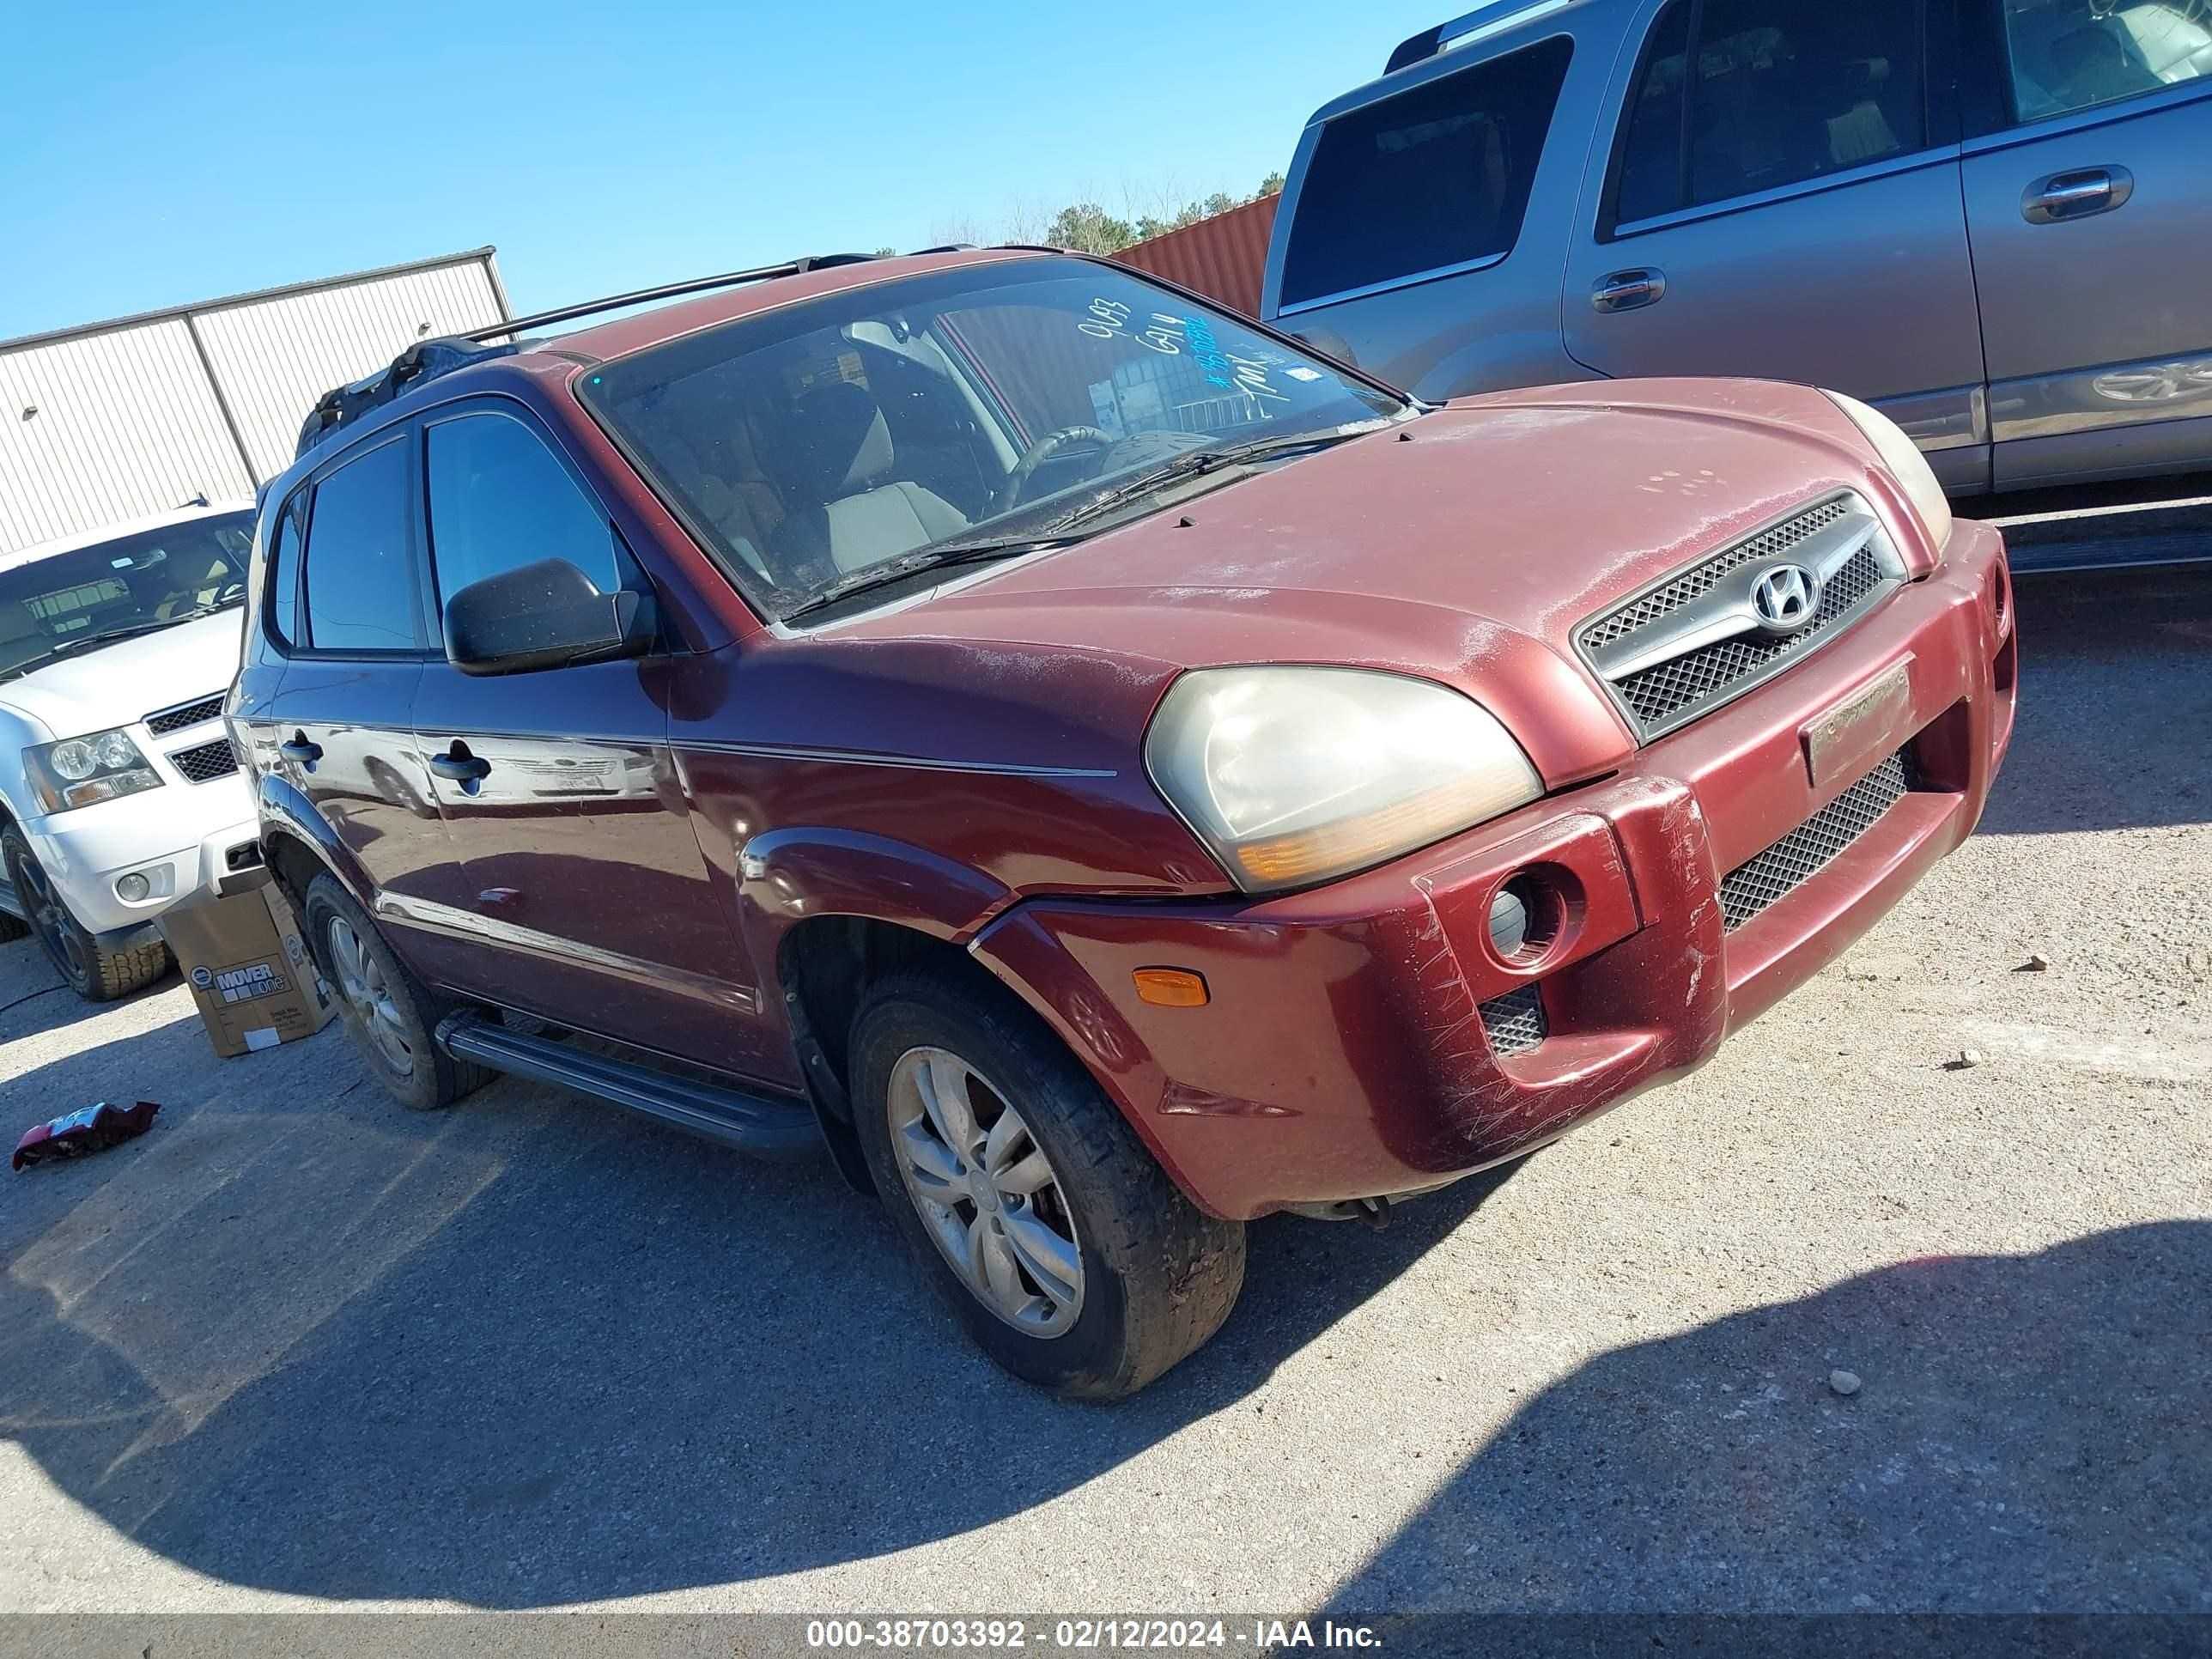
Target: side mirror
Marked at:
546, 614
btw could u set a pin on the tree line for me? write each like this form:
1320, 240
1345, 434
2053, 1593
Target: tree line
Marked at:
1088, 227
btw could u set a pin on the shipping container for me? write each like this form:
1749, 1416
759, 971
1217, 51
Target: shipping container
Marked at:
1222, 258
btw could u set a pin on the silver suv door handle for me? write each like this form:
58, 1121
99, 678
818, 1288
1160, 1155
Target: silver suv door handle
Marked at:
1627, 290
2058, 197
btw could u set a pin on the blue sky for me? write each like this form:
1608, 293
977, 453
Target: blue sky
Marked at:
162, 154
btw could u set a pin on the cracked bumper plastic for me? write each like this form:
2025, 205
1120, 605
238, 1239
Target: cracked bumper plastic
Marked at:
1342, 1052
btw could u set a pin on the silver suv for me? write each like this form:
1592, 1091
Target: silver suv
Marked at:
1992, 219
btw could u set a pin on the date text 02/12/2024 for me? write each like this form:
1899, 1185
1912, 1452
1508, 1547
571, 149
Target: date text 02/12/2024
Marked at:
1083, 1635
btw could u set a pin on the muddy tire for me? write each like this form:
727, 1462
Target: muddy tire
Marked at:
93, 972
1025, 1196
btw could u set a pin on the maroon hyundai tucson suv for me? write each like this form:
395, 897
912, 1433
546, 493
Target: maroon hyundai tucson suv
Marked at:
1105, 770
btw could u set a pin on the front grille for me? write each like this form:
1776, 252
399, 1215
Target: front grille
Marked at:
1812, 844
204, 762
1700, 581
1666, 695
166, 721
1515, 1021
1670, 690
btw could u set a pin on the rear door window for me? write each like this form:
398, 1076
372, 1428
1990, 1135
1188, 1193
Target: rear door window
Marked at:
359, 581
1783, 91
2066, 55
499, 500
1425, 180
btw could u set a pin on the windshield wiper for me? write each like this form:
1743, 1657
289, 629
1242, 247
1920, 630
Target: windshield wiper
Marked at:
1196, 463
108, 636
979, 550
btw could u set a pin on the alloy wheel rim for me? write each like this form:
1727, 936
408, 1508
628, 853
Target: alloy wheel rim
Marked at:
987, 1195
50, 921
366, 991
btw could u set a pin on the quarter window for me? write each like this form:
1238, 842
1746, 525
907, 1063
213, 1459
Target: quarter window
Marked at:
1431, 178
499, 500
284, 573
1783, 91
2075, 54
359, 584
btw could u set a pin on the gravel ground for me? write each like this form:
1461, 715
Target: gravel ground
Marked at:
298, 1348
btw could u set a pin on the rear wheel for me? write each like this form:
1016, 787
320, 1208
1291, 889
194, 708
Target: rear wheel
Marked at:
94, 973
387, 1011
1025, 1196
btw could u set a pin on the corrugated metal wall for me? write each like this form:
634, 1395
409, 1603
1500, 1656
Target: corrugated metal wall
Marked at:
107, 427
1222, 257
119, 420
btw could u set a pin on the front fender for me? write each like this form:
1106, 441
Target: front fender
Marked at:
786, 876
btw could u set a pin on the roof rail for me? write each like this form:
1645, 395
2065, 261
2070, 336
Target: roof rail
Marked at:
426, 359
1466, 28
667, 291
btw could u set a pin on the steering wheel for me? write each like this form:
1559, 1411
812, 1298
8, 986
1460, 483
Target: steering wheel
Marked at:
1010, 493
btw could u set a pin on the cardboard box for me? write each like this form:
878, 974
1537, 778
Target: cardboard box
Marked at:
249, 969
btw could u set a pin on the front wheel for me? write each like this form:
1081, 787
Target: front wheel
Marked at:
1026, 1197
93, 971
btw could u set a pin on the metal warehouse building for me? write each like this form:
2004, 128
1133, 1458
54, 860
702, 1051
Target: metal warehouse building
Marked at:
117, 420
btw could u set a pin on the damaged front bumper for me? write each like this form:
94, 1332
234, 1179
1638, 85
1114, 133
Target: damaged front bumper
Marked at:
1368, 1037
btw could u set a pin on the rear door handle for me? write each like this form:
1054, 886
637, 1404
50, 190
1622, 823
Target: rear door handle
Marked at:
1628, 290
2079, 193
301, 750
456, 765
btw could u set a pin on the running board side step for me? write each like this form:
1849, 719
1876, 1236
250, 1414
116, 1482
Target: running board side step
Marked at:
752, 1123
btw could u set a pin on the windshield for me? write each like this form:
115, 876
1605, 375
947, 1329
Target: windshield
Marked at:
133, 585
811, 444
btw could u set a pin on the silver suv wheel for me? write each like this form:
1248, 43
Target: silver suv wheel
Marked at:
987, 1194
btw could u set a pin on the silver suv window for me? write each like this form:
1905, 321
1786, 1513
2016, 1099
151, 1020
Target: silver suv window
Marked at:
1785, 91
2075, 54
1430, 180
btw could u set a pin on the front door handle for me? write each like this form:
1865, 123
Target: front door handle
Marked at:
2057, 197
458, 766
1628, 290
301, 750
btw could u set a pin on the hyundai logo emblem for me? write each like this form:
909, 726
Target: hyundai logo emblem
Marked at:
1783, 597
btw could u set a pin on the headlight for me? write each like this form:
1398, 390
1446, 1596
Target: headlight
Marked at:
1295, 774
79, 771
1902, 456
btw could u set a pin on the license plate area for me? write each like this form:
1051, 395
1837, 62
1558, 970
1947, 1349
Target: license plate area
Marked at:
1872, 722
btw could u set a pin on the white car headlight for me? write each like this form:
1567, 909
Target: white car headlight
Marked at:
79, 771
1291, 776
1902, 456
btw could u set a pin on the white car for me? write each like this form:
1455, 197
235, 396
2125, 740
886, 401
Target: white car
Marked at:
120, 792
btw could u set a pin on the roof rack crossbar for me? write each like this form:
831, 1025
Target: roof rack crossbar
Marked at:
426, 359
664, 291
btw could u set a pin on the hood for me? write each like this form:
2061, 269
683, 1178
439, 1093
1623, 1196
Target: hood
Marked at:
118, 683
1465, 546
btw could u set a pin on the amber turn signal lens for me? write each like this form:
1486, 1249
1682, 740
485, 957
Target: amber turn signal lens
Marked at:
1171, 987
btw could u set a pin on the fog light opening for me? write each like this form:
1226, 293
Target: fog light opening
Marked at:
133, 889
1528, 915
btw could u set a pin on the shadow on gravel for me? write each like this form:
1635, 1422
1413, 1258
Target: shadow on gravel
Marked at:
2033, 1432
529, 1352
2115, 724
